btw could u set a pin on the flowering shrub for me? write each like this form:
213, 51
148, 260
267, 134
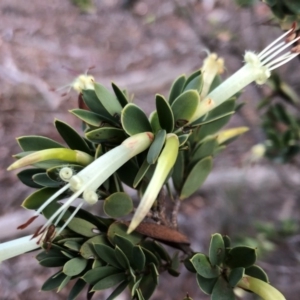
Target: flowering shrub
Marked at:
172, 150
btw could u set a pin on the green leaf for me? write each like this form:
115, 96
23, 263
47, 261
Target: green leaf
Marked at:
134, 120
194, 82
64, 283
126, 246
216, 249
87, 249
156, 147
25, 176
165, 114
154, 121
147, 286
120, 95
118, 205
54, 281
92, 118
71, 137
121, 230
109, 281
42, 179
176, 88
293, 5
76, 289
183, 139
213, 127
203, 266
37, 198
108, 100
121, 258
52, 262
175, 264
75, 266
206, 284
94, 275
150, 257
227, 241
204, 149
128, 172
161, 252
106, 135
178, 171
235, 276
196, 177
73, 245
83, 227
154, 273
257, 272
241, 256
139, 258
107, 254
36, 143
119, 289
184, 107
222, 290
141, 173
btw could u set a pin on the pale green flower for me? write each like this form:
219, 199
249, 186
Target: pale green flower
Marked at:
257, 68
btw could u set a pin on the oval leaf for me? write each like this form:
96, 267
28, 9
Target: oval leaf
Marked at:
118, 205
71, 137
196, 177
134, 120
222, 290
241, 256
121, 230
235, 276
106, 135
184, 107
37, 143
83, 227
156, 147
94, 275
108, 100
120, 95
165, 114
75, 266
203, 266
206, 284
109, 281
176, 88
216, 249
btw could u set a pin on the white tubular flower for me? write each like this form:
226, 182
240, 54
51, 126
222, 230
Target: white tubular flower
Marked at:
257, 68
165, 163
212, 66
261, 288
87, 181
19, 246
83, 82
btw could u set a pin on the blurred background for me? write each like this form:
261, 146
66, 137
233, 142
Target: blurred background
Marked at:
143, 46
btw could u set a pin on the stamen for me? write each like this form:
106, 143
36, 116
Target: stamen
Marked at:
22, 226
280, 50
278, 59
273, 43
53, 197
284, 62
69, 219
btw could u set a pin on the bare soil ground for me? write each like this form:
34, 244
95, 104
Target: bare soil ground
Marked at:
45, 44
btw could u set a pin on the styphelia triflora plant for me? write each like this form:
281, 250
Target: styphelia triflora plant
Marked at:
121, 145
